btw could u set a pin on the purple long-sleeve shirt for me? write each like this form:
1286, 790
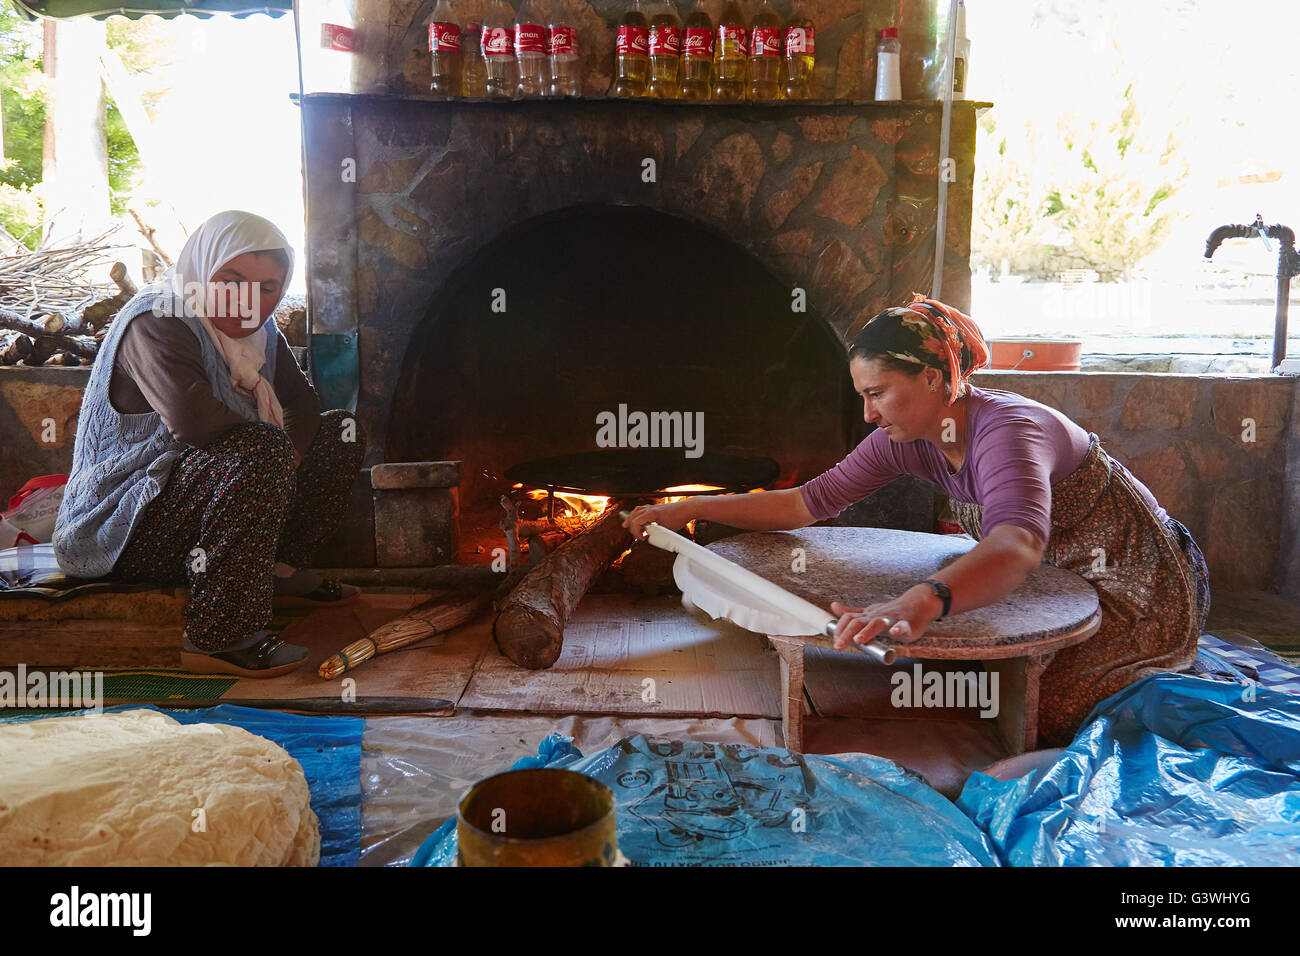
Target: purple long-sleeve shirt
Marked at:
1016, 449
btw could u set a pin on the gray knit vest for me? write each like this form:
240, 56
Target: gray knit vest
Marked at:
122, 462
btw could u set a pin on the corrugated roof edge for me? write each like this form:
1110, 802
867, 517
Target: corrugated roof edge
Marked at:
72, 9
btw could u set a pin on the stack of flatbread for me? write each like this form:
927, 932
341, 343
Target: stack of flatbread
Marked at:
138, 788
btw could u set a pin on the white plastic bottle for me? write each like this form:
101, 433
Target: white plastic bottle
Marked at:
499, 51
530, 50
562, 50
889, 83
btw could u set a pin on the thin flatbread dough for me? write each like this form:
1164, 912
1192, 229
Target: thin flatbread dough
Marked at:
123, 790
716, 596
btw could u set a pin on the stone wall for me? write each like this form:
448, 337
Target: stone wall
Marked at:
37, 404
838, 200
1182, 436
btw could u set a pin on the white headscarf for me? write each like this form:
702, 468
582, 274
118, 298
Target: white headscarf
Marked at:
221, 238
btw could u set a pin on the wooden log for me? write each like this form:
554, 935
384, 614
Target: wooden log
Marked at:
43, 346
649, 570
98, 314
14, 347
44, 325
122, 279
530, 625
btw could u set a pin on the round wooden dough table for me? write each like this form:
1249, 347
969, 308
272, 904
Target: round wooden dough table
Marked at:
1016, 637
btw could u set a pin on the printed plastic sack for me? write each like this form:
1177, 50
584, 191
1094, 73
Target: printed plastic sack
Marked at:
691, 803
29, 519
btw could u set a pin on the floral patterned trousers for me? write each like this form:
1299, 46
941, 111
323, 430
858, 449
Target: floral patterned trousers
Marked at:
229, 511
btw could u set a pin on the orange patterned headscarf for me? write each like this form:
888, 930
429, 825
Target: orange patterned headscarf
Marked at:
929, 333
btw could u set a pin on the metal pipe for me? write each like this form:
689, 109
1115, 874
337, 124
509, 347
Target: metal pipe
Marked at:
945, 141
1288, 266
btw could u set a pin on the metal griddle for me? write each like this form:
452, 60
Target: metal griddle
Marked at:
643, 472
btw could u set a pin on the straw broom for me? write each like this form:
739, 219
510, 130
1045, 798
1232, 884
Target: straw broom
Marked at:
435, 616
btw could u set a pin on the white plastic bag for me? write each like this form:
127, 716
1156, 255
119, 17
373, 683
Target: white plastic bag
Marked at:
30, 517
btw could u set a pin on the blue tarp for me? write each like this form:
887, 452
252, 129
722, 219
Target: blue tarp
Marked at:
328, 748
1171, 771
690, 803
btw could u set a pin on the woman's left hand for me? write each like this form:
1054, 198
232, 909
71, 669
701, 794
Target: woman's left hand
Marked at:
903, 620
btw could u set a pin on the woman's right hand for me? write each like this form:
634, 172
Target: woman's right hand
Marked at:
672, 516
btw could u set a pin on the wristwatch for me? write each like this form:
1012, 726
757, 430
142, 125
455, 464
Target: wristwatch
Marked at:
942, 592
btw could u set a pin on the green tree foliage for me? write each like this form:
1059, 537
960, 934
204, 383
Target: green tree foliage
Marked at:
22, 109
23, 102
1090, 191
1080, 174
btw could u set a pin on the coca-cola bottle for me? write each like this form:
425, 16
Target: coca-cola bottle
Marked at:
730, 55
631, 53
562, 48
765, 54
473, 66
800, 54
665, 49
499, 51
328, 68
444, 52
697, 56
530, 50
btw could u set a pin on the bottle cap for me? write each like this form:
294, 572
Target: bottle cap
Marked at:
889, 33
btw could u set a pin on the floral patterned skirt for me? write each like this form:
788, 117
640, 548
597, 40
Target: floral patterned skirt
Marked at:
1150, 577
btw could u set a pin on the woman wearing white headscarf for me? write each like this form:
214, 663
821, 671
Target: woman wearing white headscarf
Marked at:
202, 456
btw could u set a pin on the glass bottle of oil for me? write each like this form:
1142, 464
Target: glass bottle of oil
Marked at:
800, 54
765, 54
730, 55
697, 56
631, 53
665, 50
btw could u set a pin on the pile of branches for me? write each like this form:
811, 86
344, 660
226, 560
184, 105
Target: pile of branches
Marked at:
51, 310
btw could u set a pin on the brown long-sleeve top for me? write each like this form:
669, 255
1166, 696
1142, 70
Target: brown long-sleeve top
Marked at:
158, 367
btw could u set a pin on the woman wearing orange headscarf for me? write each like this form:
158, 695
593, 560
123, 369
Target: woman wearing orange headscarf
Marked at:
1025, 481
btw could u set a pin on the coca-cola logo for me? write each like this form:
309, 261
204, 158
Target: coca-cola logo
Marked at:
444, 38
632, 40
698, 42
496, 41
766, 42
665, 41
563, 40
529, 38
334, 37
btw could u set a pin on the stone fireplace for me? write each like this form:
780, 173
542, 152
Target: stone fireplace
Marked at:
504, 272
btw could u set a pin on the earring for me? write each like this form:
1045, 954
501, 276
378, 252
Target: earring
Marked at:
932, 388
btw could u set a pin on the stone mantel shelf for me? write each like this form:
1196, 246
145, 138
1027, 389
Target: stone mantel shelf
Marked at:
542, 103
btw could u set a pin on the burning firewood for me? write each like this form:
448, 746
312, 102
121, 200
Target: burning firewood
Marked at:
531, 622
